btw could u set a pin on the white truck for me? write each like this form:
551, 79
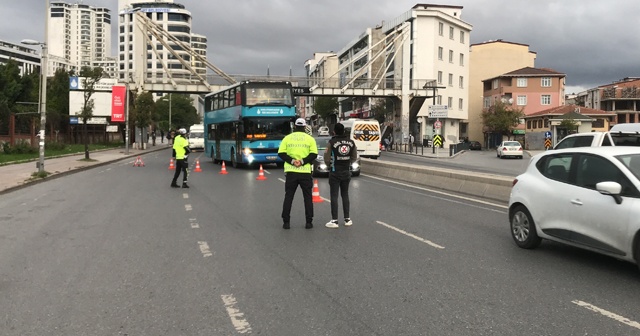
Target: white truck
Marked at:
366, 134
618, 135
196, 137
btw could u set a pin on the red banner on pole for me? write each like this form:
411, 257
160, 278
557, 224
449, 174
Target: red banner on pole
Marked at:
118, 97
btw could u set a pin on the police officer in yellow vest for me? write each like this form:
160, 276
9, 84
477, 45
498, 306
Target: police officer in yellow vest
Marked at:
298, 150
181, 153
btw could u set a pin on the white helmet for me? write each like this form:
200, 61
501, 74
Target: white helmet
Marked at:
182, 131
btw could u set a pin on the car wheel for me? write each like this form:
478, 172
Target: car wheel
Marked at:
523, 229
497, 155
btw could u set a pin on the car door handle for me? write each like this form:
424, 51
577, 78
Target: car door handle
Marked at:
576, 202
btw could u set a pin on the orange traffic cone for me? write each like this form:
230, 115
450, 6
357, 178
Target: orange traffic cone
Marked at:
138, 162
224, 169
171, 165
261, 176
197, 166
316, 193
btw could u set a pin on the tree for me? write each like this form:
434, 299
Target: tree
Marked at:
183, 113
325, 106
58, 100
90, 76
11, 89
143, 110
502, 118
569, 124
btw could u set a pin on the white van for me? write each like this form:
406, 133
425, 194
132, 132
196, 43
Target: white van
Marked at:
366, 134
196, 137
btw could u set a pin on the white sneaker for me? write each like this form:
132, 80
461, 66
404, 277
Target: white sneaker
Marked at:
348, 222
333, 224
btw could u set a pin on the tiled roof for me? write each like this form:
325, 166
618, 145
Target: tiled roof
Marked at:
529, 71
566, 109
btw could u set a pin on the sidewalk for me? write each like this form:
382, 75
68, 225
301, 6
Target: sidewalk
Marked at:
16, 176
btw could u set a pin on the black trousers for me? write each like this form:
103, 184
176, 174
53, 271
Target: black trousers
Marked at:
339, 183
181, 166
305, 181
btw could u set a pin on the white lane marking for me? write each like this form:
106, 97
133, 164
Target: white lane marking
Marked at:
204, 249
326, 199
185, 195
435, 191
237, 317
608, 314
194, 223
187, 207
428, 242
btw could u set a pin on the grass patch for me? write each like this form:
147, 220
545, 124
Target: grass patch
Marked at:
38, 175
54, 151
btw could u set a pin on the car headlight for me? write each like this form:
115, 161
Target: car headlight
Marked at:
355, 165
322, 166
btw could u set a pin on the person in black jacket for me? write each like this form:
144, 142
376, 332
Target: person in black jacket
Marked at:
341, 153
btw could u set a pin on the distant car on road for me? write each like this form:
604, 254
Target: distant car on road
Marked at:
586, 197
509, 148
320, 168
323, 131
475, 145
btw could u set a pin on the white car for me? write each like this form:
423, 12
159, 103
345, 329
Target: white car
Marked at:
323, 131
587, 197
509, 148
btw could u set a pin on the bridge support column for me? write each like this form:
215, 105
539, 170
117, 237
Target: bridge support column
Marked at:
406, 91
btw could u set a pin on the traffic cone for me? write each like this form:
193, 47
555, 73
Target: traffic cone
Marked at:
261, 176
197, 170
171, 165
224, 169
138, 162
316, 193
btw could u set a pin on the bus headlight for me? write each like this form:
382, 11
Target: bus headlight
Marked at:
247, 151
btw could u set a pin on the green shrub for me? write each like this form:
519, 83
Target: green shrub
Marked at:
21, 147
55, 146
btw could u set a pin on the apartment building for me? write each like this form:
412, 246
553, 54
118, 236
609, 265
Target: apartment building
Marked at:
199, 45
28, 59
621, 97
80, 34
321, 70
147, 59
488, 60
529, 89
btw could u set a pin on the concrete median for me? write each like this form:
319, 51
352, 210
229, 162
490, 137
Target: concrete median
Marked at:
487, 186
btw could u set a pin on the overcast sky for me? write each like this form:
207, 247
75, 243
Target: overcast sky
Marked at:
593, 42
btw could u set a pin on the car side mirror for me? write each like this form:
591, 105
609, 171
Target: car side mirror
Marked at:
612, 189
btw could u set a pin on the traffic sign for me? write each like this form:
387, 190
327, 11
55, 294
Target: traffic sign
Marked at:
437, 140
438, 111
547, 143
547, 134
437, 124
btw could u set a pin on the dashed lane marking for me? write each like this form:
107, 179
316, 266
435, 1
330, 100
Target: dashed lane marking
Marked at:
185, 196
194, 223
608, 314
428, 242
204, 249
237, 317
187, 207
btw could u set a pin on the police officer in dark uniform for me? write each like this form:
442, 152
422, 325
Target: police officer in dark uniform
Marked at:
341, 153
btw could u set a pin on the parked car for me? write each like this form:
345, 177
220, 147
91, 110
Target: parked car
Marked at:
475, 145
320, 168
323, 131
586, 197
509, 148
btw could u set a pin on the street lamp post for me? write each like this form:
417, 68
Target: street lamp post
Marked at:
43, 99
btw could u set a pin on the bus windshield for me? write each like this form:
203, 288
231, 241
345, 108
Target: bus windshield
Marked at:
269, 95
266, 128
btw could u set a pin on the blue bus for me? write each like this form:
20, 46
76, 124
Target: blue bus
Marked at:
245, 122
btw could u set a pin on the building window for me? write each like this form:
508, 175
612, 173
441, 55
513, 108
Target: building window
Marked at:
441, 29
522, 100
461, 82
545, 82
439, 100
440, 51
487, 102
460, 104
450, 56
539, 123
450, 79
450, 102
461, 59
451, 33
439, 77
461, 37
529, 124
494, 84
522, 82
545, 100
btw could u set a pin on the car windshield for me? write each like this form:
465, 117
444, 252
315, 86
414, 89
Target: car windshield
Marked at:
511, 143
631, 161
196, 135
321, 142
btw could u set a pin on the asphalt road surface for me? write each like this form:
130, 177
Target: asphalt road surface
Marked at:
115, 251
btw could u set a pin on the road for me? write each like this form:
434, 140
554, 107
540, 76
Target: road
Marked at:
115, 251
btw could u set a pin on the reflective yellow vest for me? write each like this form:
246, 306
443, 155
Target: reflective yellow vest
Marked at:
298, 145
